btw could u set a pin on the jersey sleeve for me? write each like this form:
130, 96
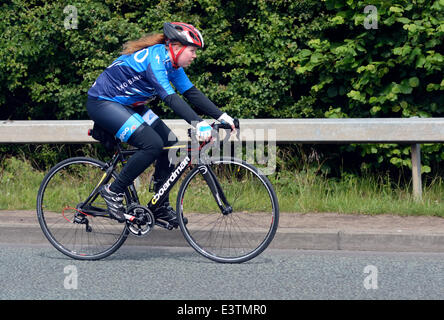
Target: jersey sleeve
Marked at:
198, 99
180, 80
181, 108
157, 75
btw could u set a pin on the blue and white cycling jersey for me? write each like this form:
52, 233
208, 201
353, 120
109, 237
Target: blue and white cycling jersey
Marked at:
133, 79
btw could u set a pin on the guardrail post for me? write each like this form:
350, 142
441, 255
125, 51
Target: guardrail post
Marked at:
416, 171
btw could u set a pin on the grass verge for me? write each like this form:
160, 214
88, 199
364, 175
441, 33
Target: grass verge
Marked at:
302, 191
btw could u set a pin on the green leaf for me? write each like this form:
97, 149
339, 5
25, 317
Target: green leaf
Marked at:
396, 108
375, 110
425, 169
316, 57
396, 161
405, 87
356, 95
432, 86
403, 20
396, 9
338, 20
414, 82
305, 53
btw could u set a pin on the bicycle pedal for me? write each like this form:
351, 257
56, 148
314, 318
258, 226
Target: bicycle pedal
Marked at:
164, 225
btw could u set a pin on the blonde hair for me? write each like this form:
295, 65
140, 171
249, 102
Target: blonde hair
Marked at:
146, 41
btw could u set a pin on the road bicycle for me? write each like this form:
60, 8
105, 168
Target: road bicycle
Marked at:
227, 209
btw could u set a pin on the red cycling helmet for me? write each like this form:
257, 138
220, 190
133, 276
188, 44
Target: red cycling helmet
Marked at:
184, 33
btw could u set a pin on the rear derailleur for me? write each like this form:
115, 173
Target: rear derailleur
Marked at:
80, 218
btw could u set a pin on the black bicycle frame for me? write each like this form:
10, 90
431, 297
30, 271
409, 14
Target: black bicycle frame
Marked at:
121, 155
207, 174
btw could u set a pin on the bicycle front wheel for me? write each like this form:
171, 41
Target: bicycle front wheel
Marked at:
76, 234
239, 235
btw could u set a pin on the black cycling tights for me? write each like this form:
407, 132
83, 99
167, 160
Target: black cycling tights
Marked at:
149, 139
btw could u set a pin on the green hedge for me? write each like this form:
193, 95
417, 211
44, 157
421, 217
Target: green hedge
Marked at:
263, 58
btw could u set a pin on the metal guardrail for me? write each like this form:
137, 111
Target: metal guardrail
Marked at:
413, 131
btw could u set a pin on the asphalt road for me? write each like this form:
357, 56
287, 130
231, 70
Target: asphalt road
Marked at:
147, 273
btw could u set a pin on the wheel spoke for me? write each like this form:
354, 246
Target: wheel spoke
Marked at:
62, 190
238, 236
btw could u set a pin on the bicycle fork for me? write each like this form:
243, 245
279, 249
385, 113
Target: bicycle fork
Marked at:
216, 189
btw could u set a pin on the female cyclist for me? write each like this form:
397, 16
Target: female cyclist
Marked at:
116, 102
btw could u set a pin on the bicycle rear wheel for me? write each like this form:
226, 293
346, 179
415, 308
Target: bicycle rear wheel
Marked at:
240, 235
68, 229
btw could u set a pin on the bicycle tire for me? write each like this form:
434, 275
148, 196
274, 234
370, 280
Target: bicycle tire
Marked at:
65, 185
240, 235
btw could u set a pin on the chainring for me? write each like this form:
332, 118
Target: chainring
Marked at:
143, 221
